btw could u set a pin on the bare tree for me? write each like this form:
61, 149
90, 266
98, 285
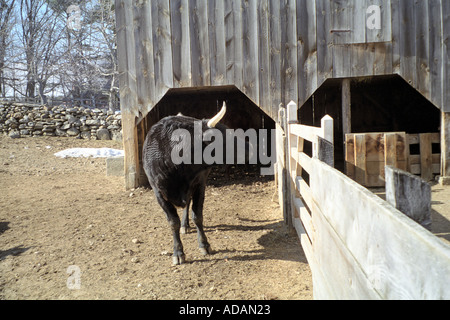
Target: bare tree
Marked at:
40, 34
105, 32
49, 56
6, 23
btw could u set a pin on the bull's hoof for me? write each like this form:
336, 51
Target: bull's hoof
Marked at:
206, 251
178, 259
184, 230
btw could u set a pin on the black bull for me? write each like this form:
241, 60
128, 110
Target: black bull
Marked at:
175, 184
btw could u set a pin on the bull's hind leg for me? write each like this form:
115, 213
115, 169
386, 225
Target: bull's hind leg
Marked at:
198, 199
185, 219
174, 222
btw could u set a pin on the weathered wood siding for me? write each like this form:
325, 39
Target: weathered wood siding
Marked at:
277, 51
357, 245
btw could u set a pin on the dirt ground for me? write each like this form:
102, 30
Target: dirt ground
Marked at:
56, 213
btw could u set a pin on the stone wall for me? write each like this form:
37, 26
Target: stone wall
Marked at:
21, 120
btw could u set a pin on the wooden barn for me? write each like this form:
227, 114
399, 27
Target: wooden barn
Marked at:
373, 65
365, 87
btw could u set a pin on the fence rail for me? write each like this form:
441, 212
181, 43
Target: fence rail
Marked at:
426, 163
357, 245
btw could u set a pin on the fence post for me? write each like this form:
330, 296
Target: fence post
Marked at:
292, 110
291, 118
327, 126
409, 194
282, 166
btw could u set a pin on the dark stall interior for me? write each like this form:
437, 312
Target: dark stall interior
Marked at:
378, 104
204, 103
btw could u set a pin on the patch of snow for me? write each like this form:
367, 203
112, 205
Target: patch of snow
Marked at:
89, 152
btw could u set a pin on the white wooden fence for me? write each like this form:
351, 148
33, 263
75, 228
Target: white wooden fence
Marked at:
357, 245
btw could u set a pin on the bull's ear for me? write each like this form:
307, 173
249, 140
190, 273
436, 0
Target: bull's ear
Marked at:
212, 123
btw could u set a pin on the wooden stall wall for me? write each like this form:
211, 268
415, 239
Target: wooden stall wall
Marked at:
277, 51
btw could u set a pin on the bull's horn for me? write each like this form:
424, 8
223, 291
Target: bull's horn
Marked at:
212, 123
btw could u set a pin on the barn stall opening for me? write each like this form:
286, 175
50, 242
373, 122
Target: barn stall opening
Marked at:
205, 102
365, 62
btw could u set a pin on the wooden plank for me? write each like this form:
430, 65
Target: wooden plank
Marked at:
445, 78
359, 59
280, 141
346, 107
435, 51
425, 157
162, 47
324, 41
306, 220
304, 190
305, 161
422, 48
360, 158
142, 130
126, 57
401, 259
374, 146
401, 147
342, 61
230, 41
288, 72
283, 191
181, 47
234, 33
263, 56
147, 81
128, 90
396, 27
338, 270
407, 41
402, 151
324, 151
383, 58
445, 144
307, 247
306, 132
415, 158
384, 33
341, 29
327, 126
306, 49
413, 138
217, 51
390, 149
409, 194
358, 21
350, 155
275, 54
130, 146
435, 137
290, 117
200, 62
304, 216
414, 168
250, 50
